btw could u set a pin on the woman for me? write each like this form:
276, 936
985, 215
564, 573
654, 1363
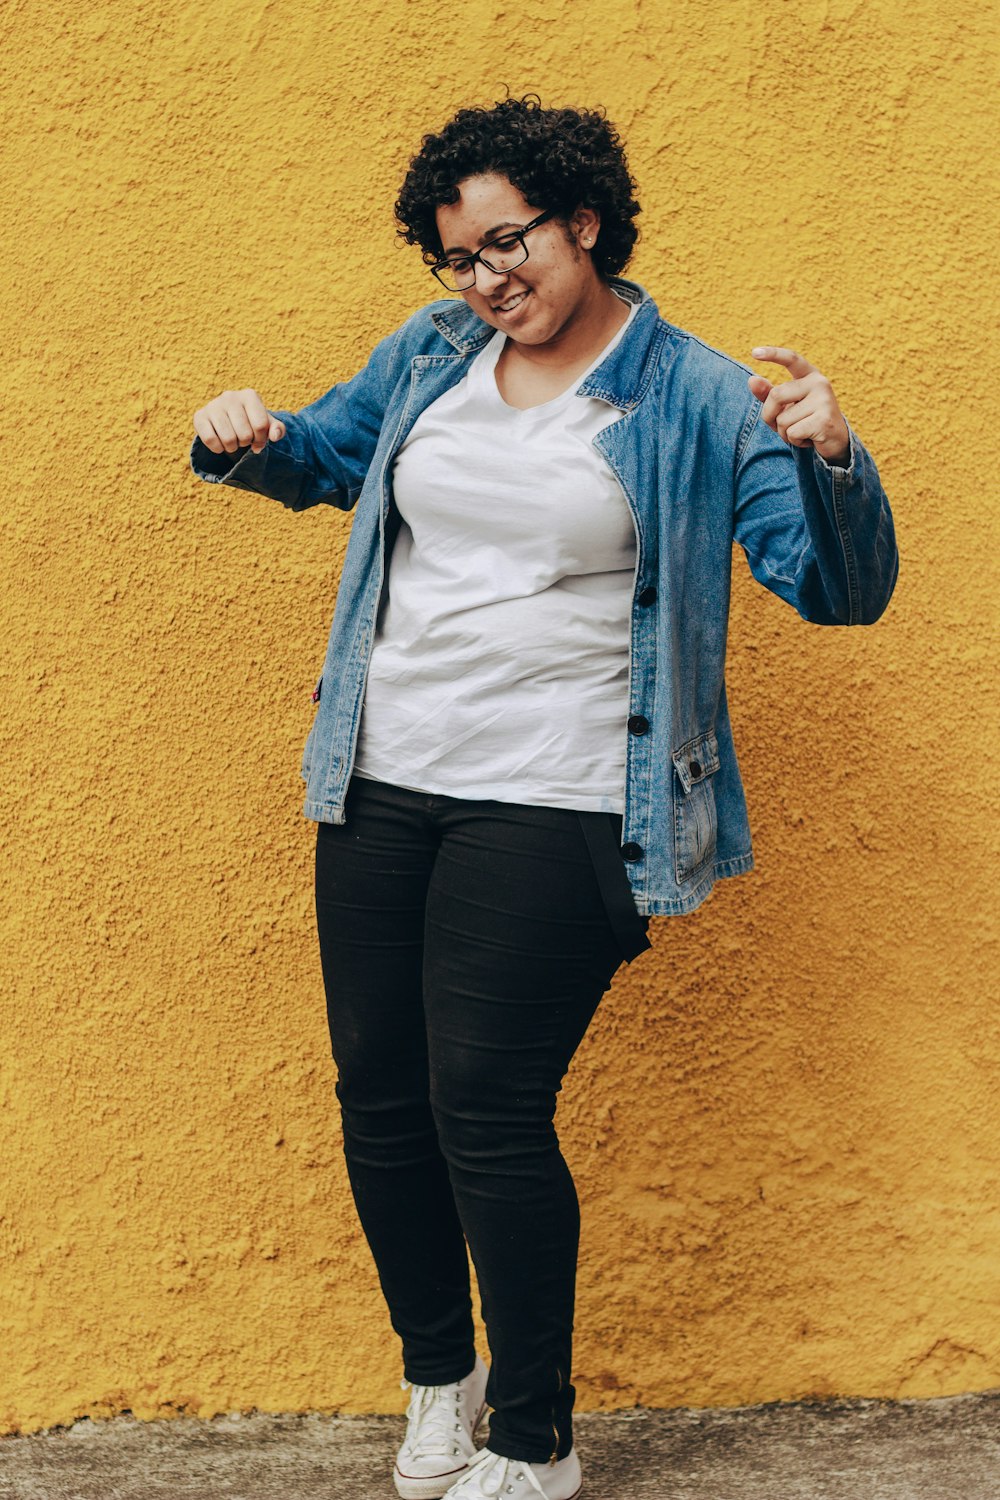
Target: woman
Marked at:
522, 748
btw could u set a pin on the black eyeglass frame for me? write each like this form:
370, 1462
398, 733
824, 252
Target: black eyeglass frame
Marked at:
508, 234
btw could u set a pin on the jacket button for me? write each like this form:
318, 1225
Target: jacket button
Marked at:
638, 724
647, 596
632, 852
695, 767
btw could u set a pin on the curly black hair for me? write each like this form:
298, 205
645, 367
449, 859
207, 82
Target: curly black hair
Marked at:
560, 159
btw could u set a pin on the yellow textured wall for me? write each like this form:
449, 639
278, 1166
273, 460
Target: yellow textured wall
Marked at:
784, 1121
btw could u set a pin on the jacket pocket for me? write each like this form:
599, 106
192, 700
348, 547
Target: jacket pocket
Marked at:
695, 817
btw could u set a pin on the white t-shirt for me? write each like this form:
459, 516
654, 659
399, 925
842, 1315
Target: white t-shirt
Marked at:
501, 660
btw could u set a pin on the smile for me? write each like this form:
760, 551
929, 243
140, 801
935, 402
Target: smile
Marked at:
511, 303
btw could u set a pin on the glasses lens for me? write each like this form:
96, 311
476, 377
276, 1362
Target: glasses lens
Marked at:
506, 253
499, 256
455, 275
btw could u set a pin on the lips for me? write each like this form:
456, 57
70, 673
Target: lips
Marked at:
510, 304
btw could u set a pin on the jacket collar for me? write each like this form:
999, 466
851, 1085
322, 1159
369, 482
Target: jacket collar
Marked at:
621, 379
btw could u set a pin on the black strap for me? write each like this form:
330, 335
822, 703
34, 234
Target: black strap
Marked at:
599, 830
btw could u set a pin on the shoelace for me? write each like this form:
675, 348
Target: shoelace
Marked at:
432, 1418
488, 1474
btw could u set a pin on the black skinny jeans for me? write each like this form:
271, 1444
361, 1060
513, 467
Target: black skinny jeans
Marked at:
465, 948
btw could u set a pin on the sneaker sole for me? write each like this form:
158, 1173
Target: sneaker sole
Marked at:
428, 1488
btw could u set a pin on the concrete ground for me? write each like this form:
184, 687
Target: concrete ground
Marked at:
946, 1449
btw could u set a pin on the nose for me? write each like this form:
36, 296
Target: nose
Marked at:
486, 280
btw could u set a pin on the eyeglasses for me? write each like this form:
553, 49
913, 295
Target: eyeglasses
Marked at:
458, 272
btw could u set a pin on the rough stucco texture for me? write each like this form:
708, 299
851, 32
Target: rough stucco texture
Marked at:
783, 1123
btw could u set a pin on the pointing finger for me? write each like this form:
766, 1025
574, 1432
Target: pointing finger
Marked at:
773, 354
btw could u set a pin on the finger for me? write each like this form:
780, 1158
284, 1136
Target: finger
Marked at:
772, 398
207, 432
222, 422
773, 354
259, 418
274, 433
797, 412
239, 416
782, 414
791, 390
804, 433
789, 394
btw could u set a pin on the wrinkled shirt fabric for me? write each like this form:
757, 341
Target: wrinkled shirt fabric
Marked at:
699, 470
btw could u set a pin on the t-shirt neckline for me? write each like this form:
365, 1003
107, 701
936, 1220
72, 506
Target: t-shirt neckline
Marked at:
490, 357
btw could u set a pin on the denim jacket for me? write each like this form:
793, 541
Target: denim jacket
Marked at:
698, 469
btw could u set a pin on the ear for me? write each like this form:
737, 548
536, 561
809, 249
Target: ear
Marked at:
585, 224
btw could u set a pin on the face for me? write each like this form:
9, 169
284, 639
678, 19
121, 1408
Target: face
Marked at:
543, 297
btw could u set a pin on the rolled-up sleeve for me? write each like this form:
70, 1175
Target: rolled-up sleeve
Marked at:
327, 448
818, 535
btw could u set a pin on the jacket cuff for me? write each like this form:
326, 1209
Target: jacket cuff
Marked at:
847, 469
277, 475
214, 467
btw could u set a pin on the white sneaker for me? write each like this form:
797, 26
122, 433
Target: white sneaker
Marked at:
441, 1422
491, 1475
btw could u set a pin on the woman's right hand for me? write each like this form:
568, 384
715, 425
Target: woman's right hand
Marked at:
237, 419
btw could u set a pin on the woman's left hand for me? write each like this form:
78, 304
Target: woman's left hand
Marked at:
803, 410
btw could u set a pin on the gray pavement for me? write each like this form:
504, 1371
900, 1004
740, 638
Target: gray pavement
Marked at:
946, 1449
